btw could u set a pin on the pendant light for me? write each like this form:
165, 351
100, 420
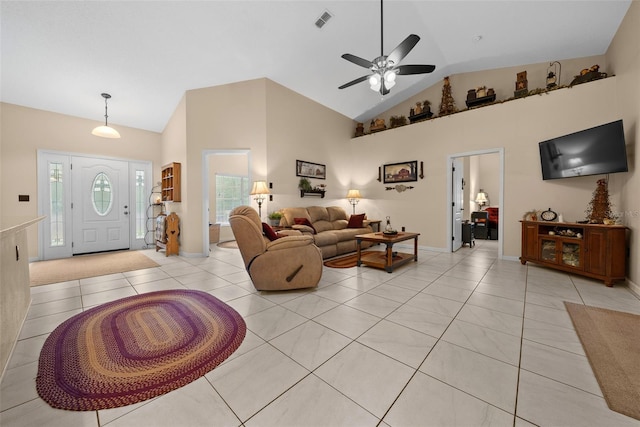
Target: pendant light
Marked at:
105, 131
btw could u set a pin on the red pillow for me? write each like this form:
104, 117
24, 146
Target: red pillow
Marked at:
304, 221
356, 221
268, 231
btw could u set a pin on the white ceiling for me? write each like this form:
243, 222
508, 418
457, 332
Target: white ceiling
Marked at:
60, 55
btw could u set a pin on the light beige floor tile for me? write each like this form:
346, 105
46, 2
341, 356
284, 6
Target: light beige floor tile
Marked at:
553, 336
229, 293
563, 366
394, 293
272, 322
92, 300
92, 288
44, 324
312, 402
439, 305
347, 321
492, 302
42, 297
37, 413
424, 321
249, 304
253, 380
545, 402
54, 307
491, 343
398, 342
444, 290
486, 378
310, 305
310, 344
369, 378
159, 285
429, 402
195, 404
373, 304
491, 319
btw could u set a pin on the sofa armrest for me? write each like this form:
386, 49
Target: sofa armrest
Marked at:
288, 242
290, 232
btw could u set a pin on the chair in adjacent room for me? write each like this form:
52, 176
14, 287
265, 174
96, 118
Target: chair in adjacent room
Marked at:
288, 262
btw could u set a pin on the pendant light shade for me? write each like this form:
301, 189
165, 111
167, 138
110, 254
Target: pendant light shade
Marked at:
105, 131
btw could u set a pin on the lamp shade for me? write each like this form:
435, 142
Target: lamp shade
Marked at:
481, 198
105, 132
353, 194
259, 187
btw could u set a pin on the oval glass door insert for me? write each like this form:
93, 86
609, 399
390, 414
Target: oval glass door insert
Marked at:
101, 194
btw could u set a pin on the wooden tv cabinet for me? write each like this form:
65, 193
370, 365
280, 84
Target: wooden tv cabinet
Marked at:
593, 250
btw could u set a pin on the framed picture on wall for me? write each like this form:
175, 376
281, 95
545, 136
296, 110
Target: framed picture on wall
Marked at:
311, 170
400, 172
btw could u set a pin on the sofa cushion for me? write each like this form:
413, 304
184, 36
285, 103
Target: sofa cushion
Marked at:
304, 221
268, 231
326, 238
340, 224
318, 213
290, 213
355, 221
322, 225
336, 213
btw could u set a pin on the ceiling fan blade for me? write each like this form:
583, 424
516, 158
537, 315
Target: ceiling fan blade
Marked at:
403, 49
357, 60
353, 82
404, 70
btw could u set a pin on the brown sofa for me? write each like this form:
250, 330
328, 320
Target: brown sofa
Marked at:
328, 228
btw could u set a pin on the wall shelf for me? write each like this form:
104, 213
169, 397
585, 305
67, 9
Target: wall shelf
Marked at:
312, 193
170, 184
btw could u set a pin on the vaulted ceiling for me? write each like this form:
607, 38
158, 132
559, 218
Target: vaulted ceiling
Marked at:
61, 55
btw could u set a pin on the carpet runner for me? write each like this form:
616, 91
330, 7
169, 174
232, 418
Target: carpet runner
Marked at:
611, 340
136, 348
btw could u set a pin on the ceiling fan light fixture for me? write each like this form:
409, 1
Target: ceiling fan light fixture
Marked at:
105, 131
389, 79
375, 82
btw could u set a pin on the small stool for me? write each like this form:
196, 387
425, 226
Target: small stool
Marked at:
467, 234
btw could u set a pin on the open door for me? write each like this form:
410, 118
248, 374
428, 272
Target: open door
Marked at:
457, 206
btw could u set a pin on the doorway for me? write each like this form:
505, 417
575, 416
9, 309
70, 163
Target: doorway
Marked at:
91, 204
215, 162
471, 185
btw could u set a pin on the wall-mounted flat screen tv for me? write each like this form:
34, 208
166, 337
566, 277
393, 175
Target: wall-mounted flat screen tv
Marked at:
594, 151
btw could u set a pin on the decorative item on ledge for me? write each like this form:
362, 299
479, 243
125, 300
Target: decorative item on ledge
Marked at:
400, 188
377, 125
397, 121
480, 96
359, 129
422, 111
447, 104
314, 192
522, 85
588, 74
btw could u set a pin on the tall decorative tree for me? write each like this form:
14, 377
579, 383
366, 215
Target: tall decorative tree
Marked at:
448, 104
599, 207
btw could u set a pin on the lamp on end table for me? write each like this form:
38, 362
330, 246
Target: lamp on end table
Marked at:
354, 197
259, 190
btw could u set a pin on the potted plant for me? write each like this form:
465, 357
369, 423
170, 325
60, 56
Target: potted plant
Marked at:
304, 185
274, 218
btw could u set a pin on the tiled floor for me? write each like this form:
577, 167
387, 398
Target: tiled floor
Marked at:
455, 339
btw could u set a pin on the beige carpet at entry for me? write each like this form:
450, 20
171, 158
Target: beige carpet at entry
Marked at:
611, 340
83, 266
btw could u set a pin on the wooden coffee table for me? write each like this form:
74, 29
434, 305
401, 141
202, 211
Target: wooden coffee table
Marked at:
390, 259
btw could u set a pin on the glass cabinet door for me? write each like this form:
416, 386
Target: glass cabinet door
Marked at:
571, 254
548, 250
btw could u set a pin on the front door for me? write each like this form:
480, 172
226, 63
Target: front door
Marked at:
100, 207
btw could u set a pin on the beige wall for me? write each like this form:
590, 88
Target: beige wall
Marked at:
228, 117
516, 126
623, 57
26, 130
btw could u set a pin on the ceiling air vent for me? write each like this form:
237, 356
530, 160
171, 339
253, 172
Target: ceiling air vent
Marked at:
323, 19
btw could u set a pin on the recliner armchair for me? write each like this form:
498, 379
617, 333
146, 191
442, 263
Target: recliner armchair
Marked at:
290, 262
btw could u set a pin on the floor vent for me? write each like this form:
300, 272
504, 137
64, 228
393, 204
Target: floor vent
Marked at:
323, 19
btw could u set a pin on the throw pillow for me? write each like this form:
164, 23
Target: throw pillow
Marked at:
268, 231
355, 221
304, 221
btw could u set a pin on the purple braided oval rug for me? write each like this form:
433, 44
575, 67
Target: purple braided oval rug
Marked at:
136, 348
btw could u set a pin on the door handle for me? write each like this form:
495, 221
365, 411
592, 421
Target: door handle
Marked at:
126, 213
